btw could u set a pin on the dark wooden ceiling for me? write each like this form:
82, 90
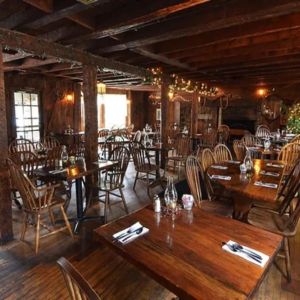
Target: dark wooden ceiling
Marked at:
225, 42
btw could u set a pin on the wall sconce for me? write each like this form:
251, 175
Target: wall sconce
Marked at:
262, 92
101, 88
69, 97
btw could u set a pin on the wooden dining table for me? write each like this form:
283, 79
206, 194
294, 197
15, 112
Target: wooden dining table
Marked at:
241, 187
76, 172
185, 255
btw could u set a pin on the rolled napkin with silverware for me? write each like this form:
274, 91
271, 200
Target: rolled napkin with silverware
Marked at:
130, 233
219, 167
267, 173
266, 184
236, 162
57, 171
222, 177
275, 165
247, 253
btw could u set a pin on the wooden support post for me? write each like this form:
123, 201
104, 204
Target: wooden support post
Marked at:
6, 233
194, 118
164, 118
90, 105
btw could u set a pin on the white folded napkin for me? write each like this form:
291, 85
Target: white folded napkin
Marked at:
266, 184
266, 173
275, 165
223, 177
219, 167
237, 162
57, 171
130, 233
264, 257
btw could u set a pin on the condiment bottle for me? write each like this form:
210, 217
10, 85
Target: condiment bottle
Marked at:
156, 204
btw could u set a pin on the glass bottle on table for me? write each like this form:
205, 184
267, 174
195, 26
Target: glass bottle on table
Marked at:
170, 195
248, 162
64, 156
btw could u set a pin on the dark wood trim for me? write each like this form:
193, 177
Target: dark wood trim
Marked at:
39, 47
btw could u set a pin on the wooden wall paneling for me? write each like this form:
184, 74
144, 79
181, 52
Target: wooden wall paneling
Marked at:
165, 107
138, 110
6, 233
89, 88
77, 108
194, 118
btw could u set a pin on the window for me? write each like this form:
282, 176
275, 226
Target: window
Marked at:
27, 116
112, 110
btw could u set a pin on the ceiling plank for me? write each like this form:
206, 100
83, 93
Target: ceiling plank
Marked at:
43, 48
163, 59
141, 39
65, 12
29, 63
44, 5
137, 16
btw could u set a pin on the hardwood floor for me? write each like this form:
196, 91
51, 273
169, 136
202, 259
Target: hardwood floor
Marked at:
24, 275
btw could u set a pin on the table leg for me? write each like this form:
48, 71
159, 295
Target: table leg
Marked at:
79, 203
241, 209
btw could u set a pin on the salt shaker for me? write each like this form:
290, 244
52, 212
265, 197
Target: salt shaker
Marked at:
156, 203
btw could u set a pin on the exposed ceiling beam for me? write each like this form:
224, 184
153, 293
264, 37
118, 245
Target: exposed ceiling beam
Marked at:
163, 59
17, 40
66, 12
29, 64
137, 16
44, 5
257, 13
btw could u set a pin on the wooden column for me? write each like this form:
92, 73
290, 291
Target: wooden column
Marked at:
164, 117
90, 105
6, 232
194, 119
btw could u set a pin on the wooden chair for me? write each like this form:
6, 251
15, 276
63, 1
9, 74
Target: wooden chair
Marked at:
103, 133
137, 136
250, 140
223, 134
195, 175
239, 150
50, 142
289, 154
262, 131
36, 201
207, 158
182, 149
296, 139
208, 140
19, 145
284, 220
222, 153
145, 171
53, 157
113, 180
78, 287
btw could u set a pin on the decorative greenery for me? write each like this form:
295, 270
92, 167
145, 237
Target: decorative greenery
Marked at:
293, 123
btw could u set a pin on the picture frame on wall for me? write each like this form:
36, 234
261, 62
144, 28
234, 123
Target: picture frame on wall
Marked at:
158, 114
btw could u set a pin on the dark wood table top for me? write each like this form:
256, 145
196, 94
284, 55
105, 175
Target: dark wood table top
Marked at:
244, 185
78, 170
185, 254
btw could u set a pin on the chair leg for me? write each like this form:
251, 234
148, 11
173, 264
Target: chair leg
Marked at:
136, 177
66, 221
123, 200
37, 234
24, 228
287, 258
51, 217
106, 206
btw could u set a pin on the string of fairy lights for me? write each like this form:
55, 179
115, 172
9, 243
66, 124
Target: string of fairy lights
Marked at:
179, 84
293, 123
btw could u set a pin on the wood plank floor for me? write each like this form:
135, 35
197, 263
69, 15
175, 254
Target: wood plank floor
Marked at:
26, 276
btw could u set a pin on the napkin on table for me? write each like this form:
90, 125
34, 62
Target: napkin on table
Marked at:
264, 260
135, 226
267, 173
219, 167
274, 165
57, 171
234, 162
266, 184
223, 177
